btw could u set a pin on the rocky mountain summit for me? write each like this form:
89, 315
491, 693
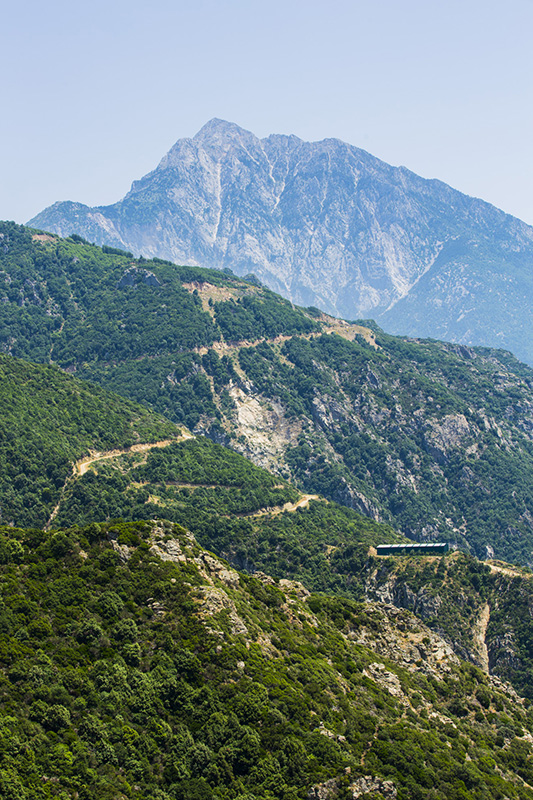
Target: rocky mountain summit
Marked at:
327, 224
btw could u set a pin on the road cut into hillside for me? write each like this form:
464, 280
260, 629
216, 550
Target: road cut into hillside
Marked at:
303, 502
81, 466
347, 330
512, 573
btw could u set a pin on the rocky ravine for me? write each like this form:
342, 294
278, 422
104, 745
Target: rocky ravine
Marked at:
482, 610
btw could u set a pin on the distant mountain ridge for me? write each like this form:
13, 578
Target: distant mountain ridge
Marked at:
327, 224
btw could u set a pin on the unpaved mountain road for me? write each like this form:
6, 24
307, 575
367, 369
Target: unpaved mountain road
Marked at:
512, 573
303, 502
81, 466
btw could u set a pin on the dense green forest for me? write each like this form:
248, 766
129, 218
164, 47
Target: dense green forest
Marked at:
433, 439
135, 665
241, 512
48, 420
76, 303
437, 442
235, 509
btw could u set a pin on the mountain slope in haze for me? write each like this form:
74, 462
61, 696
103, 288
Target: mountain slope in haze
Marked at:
433, 439
157, 671
327, 224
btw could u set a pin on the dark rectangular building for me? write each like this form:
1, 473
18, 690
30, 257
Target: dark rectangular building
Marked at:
414, 548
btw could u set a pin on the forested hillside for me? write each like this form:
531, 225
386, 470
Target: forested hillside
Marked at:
73, 453
434, 439
136, 665
48, 421
242, 513
239, 511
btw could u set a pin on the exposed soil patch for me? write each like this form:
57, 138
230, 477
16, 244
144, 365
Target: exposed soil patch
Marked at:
479, 633
303, 502
44, 237
81, 466
512, 573
217, 294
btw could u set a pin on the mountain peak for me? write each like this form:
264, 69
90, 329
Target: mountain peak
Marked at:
220, 135
216, 138
328, 225
220, 128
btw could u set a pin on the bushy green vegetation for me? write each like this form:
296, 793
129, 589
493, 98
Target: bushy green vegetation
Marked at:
256, 316
120, 680
78, 304
174, 385
233, 508
413, 427
48, 420
125, 322
122, 675
222, 498
230, 506
377, 424
433, 439
510, 630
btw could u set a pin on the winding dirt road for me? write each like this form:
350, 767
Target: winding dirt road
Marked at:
81, 466
303, 502
512, 573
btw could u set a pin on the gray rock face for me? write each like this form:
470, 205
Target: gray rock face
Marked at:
366, 786
133, 276
327, 224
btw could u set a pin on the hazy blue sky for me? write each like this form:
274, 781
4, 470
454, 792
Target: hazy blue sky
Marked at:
94, 94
